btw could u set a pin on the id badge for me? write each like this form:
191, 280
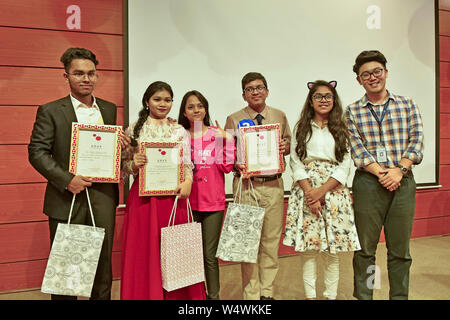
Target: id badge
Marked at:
381, 154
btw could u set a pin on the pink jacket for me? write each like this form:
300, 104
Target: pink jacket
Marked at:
212, 158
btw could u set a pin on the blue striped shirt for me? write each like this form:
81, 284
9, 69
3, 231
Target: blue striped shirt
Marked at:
401, 131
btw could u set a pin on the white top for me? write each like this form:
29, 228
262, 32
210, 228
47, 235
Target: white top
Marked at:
86, 114
159, 133
319, 147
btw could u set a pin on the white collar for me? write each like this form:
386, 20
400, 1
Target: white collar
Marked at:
78, 104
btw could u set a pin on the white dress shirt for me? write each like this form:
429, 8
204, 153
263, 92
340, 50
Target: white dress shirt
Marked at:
86, 114
319, 147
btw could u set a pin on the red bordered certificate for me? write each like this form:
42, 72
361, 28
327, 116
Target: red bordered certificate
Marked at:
163, 171
260, 146
95, 152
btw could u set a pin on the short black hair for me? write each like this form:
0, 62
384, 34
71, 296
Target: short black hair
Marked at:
252, 76
368, 56
77, 53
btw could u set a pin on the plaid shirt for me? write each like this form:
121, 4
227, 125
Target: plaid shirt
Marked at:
401, 131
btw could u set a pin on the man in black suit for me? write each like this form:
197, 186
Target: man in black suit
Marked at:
49, 152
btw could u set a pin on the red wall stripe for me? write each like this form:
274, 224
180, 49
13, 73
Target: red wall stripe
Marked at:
35, 86
96, 16
107, 48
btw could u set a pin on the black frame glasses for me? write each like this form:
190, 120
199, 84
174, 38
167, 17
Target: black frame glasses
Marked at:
251, 89
377, 72
318, 97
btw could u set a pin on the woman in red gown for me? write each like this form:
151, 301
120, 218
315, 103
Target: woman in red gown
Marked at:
146, 215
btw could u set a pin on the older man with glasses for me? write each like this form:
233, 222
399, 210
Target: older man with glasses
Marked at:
386, 135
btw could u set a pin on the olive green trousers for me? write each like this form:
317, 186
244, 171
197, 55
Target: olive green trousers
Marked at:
375, 207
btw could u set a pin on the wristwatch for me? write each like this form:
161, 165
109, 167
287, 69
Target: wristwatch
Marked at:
403, 169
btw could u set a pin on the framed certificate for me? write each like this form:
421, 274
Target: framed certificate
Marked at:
95, 152
163, 170
260, 146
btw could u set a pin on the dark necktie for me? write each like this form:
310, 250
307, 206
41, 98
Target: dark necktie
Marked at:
259, 118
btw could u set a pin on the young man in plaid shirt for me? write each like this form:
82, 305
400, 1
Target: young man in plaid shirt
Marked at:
386, 135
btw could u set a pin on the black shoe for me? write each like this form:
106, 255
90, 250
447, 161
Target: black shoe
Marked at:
266, 298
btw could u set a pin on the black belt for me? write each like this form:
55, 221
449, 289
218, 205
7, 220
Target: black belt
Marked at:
261, 178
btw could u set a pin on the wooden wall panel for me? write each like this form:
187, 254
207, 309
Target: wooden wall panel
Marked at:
431, 227
444, 23
35, 86
432, 204
445, 74
20, 119
26, 274
96, 16
20, 42
444, 48
29, 274
22, 202
444, 152
24, 241
444, 5
18, 125
14, 166
444, 176
120, 118
445, 126
445, 100
33, 242
35, 34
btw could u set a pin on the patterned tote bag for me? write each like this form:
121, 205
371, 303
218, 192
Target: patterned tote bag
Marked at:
74, 256
241, 231
181, 252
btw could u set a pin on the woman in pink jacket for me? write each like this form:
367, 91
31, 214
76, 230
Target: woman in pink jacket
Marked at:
212, 152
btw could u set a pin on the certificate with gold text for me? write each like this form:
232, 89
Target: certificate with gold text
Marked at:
163, 171
260, 146
95, 152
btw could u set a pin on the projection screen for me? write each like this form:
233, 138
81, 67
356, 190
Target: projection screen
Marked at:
208, 45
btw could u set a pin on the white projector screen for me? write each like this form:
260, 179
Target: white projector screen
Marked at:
209, 45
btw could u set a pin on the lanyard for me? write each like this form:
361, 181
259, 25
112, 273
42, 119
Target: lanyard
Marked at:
382, 114
379, 121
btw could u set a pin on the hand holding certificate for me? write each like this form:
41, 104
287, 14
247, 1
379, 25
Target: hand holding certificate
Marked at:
95, 152
163, 171
260, 146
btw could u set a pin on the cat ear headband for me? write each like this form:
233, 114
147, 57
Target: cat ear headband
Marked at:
333, 83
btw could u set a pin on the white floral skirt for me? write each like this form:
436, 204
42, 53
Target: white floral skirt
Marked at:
334, 230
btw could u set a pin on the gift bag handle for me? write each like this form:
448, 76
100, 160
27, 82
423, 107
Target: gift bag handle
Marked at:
174, 212
90, 208
239, 191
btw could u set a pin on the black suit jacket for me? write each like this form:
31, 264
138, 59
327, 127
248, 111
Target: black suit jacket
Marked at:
49, 153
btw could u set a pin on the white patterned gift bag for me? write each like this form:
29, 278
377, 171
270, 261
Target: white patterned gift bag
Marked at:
241, 231
181, 252
73, 259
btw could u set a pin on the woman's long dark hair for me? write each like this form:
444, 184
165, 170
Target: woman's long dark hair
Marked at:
145, 111
336, 124
183, 120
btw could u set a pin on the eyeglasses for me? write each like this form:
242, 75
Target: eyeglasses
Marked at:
80, 75
377, 72
318, 97
251, 89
